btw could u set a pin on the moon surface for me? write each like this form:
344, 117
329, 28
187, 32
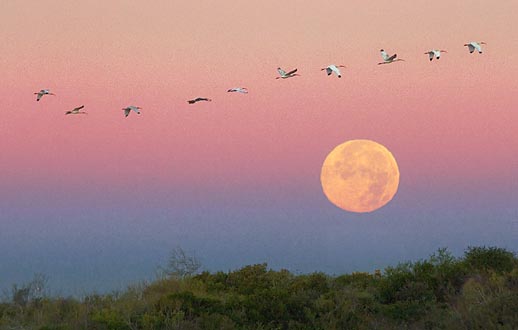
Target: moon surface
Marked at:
360, 176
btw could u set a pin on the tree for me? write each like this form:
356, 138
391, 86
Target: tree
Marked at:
492, 258
181, 264
34, 290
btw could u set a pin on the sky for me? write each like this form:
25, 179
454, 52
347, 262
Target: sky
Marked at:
98, 201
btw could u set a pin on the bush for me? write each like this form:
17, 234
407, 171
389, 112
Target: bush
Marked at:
485, 259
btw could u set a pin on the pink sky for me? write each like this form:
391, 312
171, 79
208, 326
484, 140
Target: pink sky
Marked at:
450, 118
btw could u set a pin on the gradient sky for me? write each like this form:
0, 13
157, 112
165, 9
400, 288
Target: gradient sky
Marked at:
98, 201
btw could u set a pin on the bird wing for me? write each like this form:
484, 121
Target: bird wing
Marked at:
126, 112
40, 95
335, 70
242, 90
78, 108
329, 71
471, 48
135, 109
291, 72
391, 58
281, 72
478, 47
431, 54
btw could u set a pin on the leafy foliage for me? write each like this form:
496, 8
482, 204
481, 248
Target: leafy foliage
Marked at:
488, 259
477, 291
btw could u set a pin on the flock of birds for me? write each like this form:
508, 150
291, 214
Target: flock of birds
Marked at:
387, 59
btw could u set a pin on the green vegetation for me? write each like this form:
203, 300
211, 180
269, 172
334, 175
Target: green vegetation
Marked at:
476, 291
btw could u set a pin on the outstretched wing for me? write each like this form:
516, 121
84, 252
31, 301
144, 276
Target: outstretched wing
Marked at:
471, 48
335, 70
391, 58
126, 112
281, 72
478, 47
78, 108
291, 72
329, 71
40, 95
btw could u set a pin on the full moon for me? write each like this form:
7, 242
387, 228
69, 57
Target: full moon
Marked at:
360, 176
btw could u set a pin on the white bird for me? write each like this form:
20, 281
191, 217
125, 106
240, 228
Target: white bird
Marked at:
434, 53
242, 90
285, 74
41, 93
128, 109
76, 111
387, 59
333, 68
475, 45
198, 99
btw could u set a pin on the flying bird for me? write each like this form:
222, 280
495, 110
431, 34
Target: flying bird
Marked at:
76, 111
285, 74
475, 45
198, 99
434, 53
333, 68
387, 59
242, 90
41, 93
128, 109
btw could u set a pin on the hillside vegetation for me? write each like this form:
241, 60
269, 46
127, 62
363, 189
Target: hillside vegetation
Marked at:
477, 291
